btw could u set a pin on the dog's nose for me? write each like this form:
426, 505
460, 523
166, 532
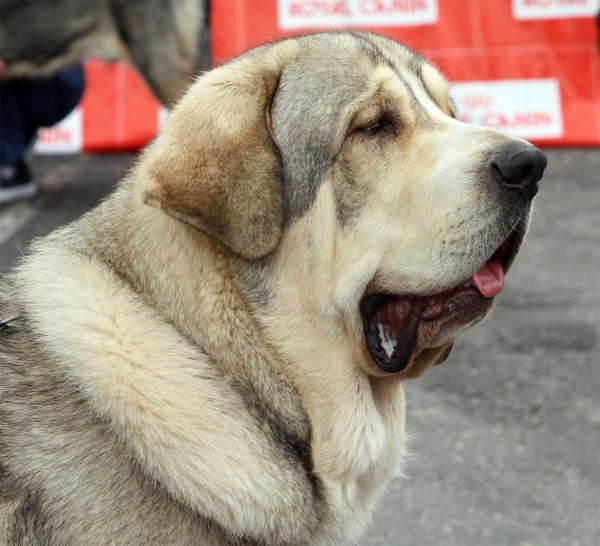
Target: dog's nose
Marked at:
520, 167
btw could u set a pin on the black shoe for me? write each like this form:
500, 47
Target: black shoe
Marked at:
16, 183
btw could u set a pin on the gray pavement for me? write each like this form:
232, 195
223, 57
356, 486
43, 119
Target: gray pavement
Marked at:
506, 433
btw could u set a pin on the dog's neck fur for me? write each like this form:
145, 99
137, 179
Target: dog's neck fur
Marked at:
292, 350
285, 356
194, 287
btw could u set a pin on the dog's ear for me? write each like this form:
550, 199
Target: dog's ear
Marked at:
216, 166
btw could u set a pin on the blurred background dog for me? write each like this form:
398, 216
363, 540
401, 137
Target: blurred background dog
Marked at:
167, 42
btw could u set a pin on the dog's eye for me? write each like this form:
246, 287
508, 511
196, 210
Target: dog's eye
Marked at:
371, 128
386, 124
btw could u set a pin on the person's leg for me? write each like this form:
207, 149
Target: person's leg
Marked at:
28, 105
15, 182
45, 102
13, 140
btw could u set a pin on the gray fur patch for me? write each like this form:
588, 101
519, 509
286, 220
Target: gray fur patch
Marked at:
350, 196
306, 123
28, 523
256, 277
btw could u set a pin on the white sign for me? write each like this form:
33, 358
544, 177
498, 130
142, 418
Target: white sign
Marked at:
554, 9
65, 137
296, 14
527, 109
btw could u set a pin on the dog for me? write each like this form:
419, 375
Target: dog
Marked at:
168, 42
215, 354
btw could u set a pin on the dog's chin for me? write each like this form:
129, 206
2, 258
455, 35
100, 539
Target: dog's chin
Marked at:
406, 334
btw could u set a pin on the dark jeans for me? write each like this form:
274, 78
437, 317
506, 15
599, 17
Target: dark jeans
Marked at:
27, 104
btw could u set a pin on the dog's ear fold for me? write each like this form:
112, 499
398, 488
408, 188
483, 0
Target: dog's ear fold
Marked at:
216, 166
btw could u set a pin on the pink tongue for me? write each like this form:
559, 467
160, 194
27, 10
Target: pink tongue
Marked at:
489, 280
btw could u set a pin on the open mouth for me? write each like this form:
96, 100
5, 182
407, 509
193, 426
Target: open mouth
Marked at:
391, 322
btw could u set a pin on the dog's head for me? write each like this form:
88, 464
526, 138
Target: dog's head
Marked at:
332, 165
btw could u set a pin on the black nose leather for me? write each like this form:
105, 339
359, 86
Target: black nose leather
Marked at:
520, 167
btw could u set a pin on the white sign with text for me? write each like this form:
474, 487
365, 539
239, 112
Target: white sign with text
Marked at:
529, 109
296, 14
65, 137
554, 9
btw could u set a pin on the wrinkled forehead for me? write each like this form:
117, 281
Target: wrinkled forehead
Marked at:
426, 87
333, 72
332, 69
322, 87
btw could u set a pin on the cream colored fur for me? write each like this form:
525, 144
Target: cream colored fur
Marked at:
151, 320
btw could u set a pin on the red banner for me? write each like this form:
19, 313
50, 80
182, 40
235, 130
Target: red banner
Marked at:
530, 68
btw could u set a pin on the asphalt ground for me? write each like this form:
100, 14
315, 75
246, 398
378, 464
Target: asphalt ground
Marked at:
506, 433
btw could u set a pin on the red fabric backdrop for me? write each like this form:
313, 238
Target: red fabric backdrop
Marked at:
528, 67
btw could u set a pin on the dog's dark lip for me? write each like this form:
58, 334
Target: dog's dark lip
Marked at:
462, 303
513, 244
